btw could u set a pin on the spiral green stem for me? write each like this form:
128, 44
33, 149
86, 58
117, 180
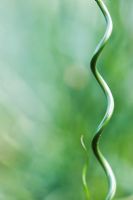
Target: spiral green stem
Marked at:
110, 102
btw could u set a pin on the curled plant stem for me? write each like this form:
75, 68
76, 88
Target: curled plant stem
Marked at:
109, 111
110, 102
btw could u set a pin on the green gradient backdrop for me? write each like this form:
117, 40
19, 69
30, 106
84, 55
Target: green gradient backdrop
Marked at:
48, 98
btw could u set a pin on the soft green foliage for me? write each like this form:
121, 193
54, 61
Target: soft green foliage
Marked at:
48, 98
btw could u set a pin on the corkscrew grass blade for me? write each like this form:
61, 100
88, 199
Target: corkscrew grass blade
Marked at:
84, 171
110, 102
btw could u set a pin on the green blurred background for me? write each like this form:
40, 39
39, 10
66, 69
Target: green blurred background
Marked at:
48, 98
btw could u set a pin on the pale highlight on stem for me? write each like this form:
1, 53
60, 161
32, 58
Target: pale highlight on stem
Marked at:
110, 103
